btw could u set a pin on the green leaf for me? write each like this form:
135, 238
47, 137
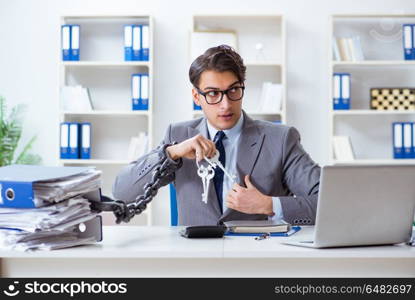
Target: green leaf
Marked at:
10, 134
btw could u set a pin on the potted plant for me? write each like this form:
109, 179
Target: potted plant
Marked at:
10, 133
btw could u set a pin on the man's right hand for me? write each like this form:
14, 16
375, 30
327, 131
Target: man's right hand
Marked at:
196, 147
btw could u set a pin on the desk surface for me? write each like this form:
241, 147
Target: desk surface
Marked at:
165, 242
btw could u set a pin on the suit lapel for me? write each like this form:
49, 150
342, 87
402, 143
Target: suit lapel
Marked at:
249, 147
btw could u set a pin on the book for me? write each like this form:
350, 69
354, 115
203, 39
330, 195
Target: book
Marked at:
348, 49
257, 226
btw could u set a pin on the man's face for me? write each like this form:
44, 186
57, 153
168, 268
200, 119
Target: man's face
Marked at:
225, 114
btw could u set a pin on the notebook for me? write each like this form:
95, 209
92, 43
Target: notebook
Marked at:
257, 226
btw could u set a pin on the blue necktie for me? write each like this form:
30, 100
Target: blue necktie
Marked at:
218, 179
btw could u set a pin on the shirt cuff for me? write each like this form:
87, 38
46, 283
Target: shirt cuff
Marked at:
277, 208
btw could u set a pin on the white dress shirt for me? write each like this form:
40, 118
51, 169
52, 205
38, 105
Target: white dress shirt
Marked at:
230, 143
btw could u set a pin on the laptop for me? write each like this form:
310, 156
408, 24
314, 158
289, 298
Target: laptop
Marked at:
363, 205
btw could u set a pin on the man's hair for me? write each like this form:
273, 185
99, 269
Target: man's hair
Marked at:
221, 59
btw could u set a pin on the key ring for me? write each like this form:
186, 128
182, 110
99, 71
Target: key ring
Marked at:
263, 236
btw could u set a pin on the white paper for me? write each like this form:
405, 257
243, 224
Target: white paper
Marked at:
342, 148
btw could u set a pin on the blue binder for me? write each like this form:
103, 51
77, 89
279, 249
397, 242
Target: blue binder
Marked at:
408, 42
413, 42
74, 140
144, 92
293, 230
64, 140
145, 42
413, 140
407, 140
16, 182
398, 151
85, 140
336, 91
75, 35
345, 91
341, 91
66, 42
135, 91
137, 53
140, 91
128, 42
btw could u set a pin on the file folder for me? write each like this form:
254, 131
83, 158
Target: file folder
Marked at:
85, 140
144, 95
336, 91
398, 140
136, 42
75, 42
345, 91
408, 42
135, 91
128, 42
413, 141
64, 140
73, 141
16, 182
413, 42
407, 140
66, 42
145, 42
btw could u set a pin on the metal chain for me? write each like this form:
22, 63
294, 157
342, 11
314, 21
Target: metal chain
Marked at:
160, 172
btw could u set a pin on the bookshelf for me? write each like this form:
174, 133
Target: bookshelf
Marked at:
370, 131
265, 65
104, 72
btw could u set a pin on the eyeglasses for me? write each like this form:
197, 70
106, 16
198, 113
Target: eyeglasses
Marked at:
234, 93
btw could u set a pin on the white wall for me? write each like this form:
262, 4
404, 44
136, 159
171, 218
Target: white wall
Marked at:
30, 53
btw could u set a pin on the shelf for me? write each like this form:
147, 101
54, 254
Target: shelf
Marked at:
376, 162
104, 16
373, 16
374, 63
357, 112
263, 64
197, 113
95, 161
108, 113
106, 63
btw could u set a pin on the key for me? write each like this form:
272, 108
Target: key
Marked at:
214, 162
209, 176
202, 172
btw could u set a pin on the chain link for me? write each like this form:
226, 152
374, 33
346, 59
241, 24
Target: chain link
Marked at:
162, 170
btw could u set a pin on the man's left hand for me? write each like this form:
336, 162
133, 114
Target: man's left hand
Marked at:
249, 200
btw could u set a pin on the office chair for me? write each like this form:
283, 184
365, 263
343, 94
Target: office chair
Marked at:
173, 205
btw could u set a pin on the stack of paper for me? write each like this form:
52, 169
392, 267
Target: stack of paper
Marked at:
76, 99
55, 190
270, 99
52, 212
49, 227
138, 146
342, 148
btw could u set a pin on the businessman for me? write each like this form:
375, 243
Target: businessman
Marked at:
275, 177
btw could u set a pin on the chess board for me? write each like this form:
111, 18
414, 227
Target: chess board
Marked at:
392, 98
